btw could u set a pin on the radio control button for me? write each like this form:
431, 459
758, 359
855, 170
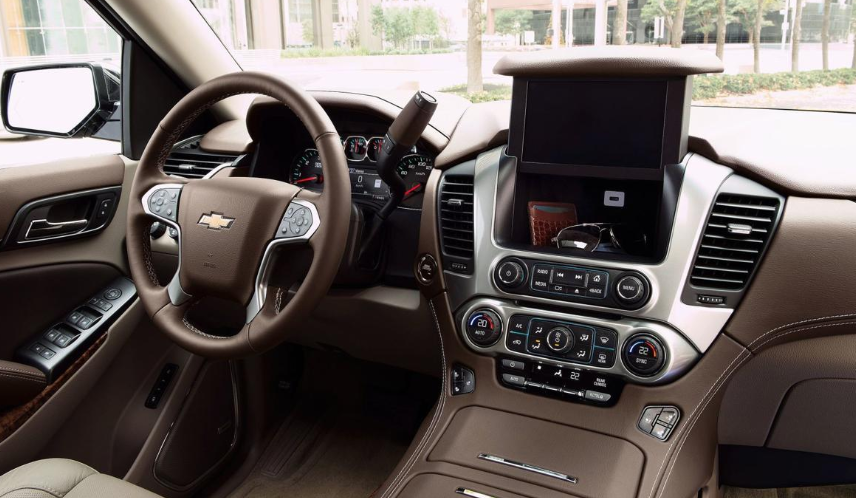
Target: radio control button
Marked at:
510, 274
576, 291
597, 279
558, 289
560, 340
630, 289
596, 292
572, 278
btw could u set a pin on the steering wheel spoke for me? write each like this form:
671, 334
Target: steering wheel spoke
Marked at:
298, 224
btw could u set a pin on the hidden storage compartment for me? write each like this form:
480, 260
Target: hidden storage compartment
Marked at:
602, 465
633, 206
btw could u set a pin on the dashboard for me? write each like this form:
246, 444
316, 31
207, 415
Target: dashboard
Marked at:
366, 185
287, 153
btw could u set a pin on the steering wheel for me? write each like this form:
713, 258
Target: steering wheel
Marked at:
230, 229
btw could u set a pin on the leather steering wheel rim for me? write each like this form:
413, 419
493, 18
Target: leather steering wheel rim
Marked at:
242, 249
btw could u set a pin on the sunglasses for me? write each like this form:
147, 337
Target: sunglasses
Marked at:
588, 236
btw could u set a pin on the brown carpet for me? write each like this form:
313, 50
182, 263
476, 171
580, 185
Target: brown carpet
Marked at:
350, 427
848, 491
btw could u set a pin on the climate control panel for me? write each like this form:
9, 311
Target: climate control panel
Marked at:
601, 286
621, 349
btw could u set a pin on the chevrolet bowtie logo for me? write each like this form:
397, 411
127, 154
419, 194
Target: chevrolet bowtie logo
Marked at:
216, 221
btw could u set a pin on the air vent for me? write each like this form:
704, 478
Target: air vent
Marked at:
188, 161
734, 240
456, 221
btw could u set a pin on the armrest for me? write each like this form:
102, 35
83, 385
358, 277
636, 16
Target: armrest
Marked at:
19, 383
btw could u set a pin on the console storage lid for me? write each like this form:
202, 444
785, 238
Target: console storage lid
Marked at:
601, 465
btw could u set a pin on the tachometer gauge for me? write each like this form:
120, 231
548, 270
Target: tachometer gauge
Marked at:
306, 170
375, 144
414, 170
356, 148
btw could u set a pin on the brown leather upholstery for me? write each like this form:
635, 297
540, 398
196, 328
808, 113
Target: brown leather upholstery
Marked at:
609, 61
19, 383
61, 478
328, 242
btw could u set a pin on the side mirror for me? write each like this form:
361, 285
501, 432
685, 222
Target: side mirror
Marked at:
58, 100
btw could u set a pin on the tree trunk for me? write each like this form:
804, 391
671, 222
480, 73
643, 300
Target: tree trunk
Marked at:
721, 23
474, 47
619, 28
756, 42
706, 37
795, 37
854, 53
678, 24
824, 33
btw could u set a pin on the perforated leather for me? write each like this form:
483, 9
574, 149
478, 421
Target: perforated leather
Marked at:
61, 478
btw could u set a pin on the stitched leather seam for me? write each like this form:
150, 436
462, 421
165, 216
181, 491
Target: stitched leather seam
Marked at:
147, 257
38, 380
686, 432
278, 302
801, 322
43, 488
393, 487
195, 330
26, 372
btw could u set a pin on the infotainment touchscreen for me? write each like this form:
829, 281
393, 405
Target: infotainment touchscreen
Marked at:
595, 123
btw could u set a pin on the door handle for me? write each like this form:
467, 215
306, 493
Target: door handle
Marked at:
40, 229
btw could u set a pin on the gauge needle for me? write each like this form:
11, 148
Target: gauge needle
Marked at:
413, 189
304, 180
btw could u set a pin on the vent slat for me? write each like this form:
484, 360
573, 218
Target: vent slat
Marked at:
456, 220
737, 232
187, 161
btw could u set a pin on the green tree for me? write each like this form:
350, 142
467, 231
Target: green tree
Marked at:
660, 8
678, 23
795, 37
377, 20
475, 21
721, 24
824, 32
619, 34
744, 12
425, 21
397, 25
704, 12
512, 22
308, 31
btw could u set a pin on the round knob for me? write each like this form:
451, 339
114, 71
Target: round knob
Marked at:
157, 230
643, 355
484, 327
173, 233
510, 274
630, 289
560, 340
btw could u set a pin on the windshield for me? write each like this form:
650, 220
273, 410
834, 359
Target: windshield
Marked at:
789, 54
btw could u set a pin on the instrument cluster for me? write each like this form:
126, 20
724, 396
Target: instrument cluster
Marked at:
362, 153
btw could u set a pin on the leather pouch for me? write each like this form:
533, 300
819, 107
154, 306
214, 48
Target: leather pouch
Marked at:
546, 219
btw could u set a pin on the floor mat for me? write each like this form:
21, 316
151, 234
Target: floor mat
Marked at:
848, 491
341, 442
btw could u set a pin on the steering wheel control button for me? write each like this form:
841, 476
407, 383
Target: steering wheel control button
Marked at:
560, 340
511, 274
164, 202
295, 223
659, 421
484, 327
463, 380
643, 355
426, 269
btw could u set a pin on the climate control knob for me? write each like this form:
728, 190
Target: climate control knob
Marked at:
643, 355
511, 274
484, 327
560, 340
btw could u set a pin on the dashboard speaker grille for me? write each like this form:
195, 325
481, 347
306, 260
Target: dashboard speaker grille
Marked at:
737, 232
456, 220
186, 160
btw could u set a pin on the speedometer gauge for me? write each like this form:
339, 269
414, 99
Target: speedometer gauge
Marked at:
306, 170
414, 170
